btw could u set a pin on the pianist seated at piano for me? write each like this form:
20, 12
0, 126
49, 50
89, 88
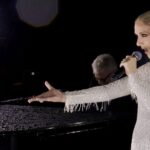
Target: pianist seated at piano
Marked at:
104, 68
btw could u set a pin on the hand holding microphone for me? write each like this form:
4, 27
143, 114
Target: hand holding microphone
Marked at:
130, 62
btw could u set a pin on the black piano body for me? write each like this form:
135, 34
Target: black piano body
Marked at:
38, 126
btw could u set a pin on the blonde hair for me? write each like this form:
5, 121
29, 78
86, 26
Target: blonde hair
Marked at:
144, 17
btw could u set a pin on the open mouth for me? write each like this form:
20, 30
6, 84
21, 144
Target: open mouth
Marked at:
145, 50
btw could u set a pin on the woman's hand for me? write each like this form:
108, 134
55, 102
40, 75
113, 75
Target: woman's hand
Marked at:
52, 95
130, 64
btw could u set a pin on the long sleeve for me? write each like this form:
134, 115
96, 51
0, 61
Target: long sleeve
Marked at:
96, 94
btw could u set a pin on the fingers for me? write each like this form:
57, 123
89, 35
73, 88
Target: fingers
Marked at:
128, 56
48, 85
35, 100
48, 99
121, 65
123, 62
126, 59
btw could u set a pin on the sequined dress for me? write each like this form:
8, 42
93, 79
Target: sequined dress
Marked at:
137, 84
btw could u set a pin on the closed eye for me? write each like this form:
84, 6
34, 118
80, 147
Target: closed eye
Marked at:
144, 35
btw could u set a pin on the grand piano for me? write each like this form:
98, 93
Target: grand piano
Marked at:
37, 126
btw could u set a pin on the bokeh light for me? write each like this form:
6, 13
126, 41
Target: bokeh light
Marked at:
37, 13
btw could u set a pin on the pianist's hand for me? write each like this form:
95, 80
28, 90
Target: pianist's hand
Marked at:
52, 95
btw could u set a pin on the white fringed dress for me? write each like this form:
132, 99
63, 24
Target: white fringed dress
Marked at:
138, 84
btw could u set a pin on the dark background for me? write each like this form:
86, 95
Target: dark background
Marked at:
62, 52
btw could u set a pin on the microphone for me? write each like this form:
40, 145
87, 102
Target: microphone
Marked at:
137, 55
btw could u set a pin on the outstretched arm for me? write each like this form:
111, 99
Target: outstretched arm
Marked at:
73, 99
107, 92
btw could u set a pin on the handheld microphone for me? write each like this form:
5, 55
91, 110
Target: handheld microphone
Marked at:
137, 55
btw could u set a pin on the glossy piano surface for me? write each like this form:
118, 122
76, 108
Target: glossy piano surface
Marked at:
44, 125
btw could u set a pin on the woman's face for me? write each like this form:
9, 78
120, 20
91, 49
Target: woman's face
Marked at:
142, 31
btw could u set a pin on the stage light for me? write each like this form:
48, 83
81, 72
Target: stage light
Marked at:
37, 13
